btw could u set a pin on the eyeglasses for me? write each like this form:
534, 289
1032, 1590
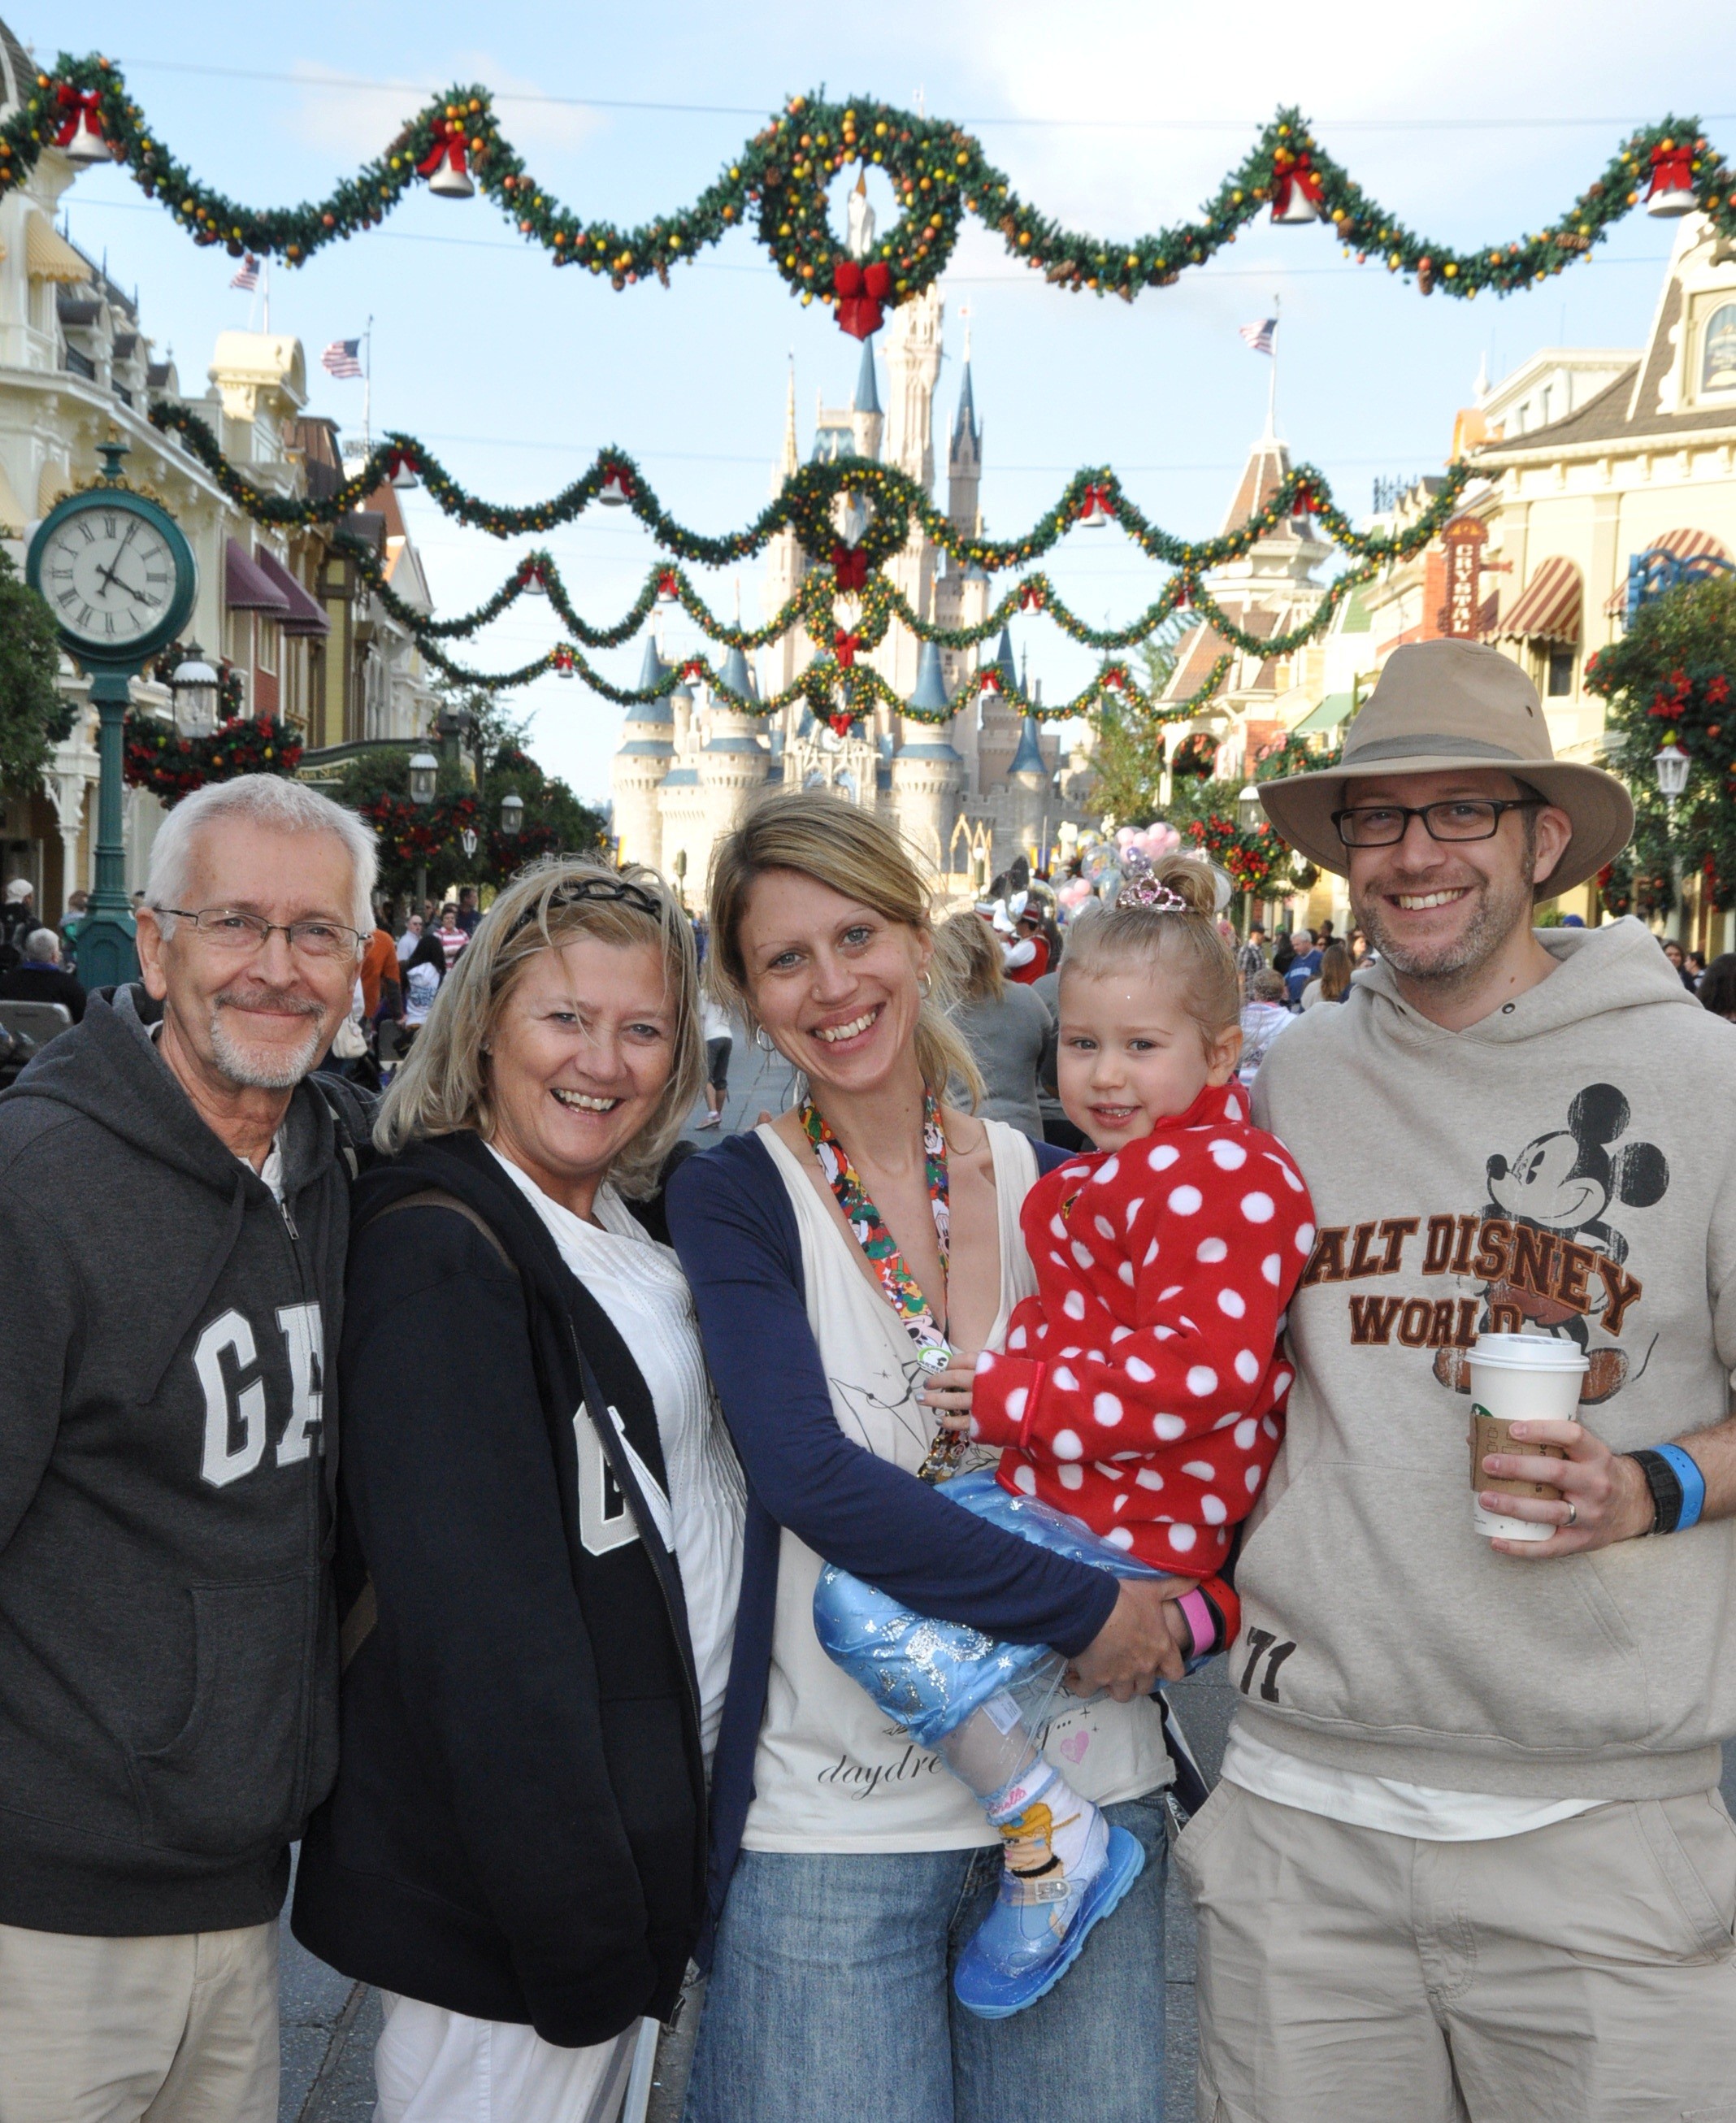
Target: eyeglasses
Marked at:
225, 928
608, 889
1463, 818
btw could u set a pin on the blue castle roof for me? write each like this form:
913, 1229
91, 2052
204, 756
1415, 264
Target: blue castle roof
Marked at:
652, 672
736, 676
1029, 759
930, 695
867, 396
1003, 662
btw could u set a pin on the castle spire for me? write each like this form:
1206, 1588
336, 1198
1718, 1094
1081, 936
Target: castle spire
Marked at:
790, 462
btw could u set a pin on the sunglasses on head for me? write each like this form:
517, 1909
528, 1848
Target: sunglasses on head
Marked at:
610, 890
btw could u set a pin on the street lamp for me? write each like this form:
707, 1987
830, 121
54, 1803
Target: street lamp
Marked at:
1670, 768
467, 842
512, 814
1250, 811
425, 771
195, 686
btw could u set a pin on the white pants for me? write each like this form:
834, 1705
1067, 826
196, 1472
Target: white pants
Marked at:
177, 2029
433, 2066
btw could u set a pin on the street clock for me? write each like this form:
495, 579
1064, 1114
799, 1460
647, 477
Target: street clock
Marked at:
120, 580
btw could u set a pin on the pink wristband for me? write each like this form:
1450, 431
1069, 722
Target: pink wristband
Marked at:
1197, 1609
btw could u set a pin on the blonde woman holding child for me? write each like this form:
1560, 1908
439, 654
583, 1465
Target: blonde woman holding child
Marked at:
850, 1262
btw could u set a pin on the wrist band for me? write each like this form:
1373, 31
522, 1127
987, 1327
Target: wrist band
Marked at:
1693, 1485
1200, 1621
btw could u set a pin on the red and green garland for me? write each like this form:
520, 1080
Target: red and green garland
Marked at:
776, 185
159, 758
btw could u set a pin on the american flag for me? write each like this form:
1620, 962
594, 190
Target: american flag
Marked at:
340, 360
1259, 336
246, 274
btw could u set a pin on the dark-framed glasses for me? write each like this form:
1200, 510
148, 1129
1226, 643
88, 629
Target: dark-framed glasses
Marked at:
1460, 818
228, 929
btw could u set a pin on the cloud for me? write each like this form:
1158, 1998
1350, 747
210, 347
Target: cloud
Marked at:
355, 121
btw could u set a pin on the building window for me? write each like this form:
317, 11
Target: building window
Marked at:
1560, 676
1718, 350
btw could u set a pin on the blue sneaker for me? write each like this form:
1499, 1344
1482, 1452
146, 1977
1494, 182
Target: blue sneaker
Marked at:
1033, 1934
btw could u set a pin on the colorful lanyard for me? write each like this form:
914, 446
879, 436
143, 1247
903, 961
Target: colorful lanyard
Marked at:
902, 1290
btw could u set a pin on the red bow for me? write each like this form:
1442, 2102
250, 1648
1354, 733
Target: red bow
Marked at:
1115, 679
1672, 168
849, 567
841, 724
82, 107
401, 461
845, 647
1290, 171
564, 659
1096, 502
1186, 597
1030, 598
861, 290
1303, 503
531, 573
666, 585
448, 147
621, 480
693, 670
989, 680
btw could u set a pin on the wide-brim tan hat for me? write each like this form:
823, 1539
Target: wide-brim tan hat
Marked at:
1447, 706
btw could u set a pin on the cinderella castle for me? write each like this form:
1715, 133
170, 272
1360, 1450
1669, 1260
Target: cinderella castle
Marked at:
971, 795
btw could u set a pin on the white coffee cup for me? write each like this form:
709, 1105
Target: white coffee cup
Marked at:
1518, 1378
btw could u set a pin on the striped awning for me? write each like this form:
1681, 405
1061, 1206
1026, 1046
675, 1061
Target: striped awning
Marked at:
1685, 544
47, 255
1550, 607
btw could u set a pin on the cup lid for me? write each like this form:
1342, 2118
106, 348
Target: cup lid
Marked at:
1527, 1352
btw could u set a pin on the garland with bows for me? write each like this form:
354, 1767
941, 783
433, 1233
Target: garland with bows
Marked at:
807, 506
776, 186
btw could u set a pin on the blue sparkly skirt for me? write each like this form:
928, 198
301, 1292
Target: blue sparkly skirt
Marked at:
930, 1676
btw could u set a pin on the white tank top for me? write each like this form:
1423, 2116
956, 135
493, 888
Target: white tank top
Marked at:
833, 1773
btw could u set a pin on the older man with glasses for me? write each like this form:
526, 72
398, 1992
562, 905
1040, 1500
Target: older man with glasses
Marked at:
1469, 1857
173, 1211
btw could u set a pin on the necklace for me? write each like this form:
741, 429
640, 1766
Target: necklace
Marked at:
899, 1287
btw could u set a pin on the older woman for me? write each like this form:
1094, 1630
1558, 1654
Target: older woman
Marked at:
825, 1250
538, 1526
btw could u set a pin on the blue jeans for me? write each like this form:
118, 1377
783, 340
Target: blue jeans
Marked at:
831, 1996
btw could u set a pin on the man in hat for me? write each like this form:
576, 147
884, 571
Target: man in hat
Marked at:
1469, 1855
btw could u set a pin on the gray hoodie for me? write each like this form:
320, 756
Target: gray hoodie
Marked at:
168, 1666
1567, 1166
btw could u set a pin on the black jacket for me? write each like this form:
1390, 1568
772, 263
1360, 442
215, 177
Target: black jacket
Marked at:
36, 983
168, 1647
517, 1832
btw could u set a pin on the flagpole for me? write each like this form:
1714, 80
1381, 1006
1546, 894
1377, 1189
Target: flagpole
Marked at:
367, 390
1271, 382
265, 291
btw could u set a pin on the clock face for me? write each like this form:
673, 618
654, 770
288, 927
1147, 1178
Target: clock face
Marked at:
109, 575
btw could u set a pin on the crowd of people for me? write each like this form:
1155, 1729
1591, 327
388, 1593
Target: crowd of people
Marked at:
749, 1585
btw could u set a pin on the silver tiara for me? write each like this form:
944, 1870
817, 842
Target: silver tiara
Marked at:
1140, 888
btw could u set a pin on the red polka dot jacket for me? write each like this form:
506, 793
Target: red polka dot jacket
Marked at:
1143, 1388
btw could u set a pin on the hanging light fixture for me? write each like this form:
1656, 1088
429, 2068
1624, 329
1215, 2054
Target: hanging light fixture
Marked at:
1670, 767
512, 814
467, 842
425, 771
195, 684
1250, 811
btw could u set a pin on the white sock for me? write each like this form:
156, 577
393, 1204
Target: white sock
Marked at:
1077, 1834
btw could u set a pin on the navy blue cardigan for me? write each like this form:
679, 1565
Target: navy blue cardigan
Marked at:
731, 1222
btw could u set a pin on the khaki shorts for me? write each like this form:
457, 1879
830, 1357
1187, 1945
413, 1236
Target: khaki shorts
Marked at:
1584, 1973
177, 2029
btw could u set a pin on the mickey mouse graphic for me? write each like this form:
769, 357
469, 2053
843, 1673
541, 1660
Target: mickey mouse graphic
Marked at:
1564, 1182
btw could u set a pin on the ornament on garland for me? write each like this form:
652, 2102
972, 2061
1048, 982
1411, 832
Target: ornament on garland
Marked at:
445, 165
79, 135
1097, 506
616, 491
1671, 191
1296, 189
564, 663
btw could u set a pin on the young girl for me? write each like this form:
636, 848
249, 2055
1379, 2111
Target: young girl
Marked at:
1140, 1392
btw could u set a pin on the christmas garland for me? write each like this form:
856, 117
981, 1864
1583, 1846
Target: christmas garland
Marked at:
776, 186
159, 758
807, 505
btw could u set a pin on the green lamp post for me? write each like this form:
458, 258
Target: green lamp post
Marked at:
120, 580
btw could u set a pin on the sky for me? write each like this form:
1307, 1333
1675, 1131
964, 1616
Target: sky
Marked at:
1116, 115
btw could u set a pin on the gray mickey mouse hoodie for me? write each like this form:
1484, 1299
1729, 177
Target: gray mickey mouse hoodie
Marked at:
168, 1664
1565, 1167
